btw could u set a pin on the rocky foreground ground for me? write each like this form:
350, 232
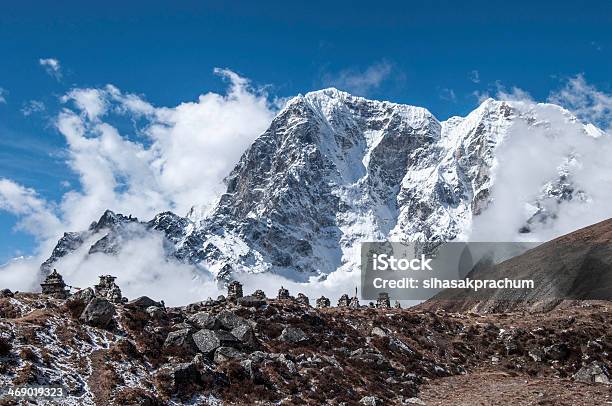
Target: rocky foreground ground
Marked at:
267, 352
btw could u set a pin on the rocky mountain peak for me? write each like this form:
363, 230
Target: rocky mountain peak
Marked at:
109, 220
333, 170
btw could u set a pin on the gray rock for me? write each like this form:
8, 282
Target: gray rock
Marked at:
205, 320
413, 401
288, 363
6, 293
595, 372
303, 299
223, 354
98, 313
370, 401
209, 340
251, 301
536, 355
230, 320
156, 312
143, 302
83, 295
293, 335
377, 331
182, 326
245, 334
183, 374
258, 356
180, 340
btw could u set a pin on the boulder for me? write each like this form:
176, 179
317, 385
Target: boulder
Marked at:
288, 362
6, 293
231, 320
223, 354
595, 372
180, 341
182, 326
182, 375
293, 335
251, 301
156, 312
205, 320
143, 302
252, 369
303, 299
83, 295
98, 313
208, 341
245, 334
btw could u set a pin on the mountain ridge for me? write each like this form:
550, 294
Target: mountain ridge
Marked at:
333, 170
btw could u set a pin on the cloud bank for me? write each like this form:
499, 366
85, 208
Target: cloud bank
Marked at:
536, 164
172, 159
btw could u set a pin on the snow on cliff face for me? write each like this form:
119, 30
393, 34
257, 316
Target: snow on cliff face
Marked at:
333, 170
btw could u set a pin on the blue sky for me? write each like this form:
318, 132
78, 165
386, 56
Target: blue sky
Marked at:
434, 54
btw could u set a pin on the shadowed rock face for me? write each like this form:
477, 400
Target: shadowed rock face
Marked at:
333, 170
577, 266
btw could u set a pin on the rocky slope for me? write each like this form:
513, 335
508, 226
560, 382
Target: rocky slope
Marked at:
333, 170
257, 351
576, 266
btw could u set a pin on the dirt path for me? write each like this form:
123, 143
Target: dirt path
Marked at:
498, 388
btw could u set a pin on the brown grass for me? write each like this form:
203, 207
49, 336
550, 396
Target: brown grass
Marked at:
104, 378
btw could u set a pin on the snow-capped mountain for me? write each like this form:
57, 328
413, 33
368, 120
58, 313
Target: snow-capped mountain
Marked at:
333, 170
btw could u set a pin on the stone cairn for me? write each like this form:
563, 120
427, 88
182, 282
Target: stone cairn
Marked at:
322, 302
283, 294
303, 299
54, 286
354, 303
397, 305
234, 290
259, 294
108, 289
344, 301
383, 301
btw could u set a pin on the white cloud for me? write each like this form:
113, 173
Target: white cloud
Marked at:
31, 107
531, 156
176, 160
587, 102
52, 67
481, 96
3, 94
142, 269
35, 214
448, 95
91, 102
475, 76
500, 92
512, 94
360, 82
